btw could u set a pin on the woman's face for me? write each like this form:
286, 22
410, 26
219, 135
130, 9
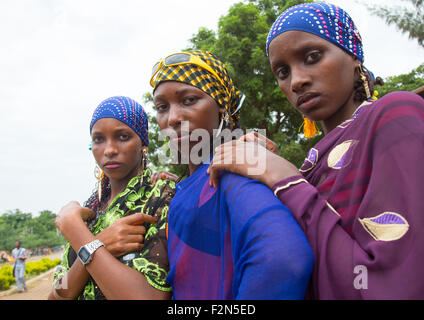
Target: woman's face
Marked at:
177, 102
316, 76
116, 148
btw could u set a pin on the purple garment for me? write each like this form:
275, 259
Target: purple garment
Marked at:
363, 208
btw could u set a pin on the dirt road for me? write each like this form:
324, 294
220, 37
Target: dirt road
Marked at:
38, 287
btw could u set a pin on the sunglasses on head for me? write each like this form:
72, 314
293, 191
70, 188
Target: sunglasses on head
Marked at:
183, 58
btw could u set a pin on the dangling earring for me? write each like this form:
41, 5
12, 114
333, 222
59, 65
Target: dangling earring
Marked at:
364, 82
99, 175
310, 128
226, 118
143, 165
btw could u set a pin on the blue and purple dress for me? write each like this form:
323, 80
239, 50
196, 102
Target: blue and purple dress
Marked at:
236, 241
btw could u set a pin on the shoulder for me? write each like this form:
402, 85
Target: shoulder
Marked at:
235, 185
399, 103
159, 198
163, 188
396, 112
229, 179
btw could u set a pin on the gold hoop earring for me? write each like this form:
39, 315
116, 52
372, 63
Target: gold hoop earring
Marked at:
364, 82
99, 175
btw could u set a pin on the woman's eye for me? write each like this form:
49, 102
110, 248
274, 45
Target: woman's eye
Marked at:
282, 73
97, 140
124, 137
160, 107
189, 101
312, 57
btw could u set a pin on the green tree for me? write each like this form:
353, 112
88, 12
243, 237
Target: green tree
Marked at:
408, 20
403, 82
158, 147
32, 232
240, 43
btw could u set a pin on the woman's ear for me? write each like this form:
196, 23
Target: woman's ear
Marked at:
222, 111
357, 65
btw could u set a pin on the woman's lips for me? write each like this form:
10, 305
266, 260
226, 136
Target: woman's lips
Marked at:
180, 139
112, 166
307, 102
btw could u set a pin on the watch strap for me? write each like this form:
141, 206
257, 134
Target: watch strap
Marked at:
90, 247
94, 245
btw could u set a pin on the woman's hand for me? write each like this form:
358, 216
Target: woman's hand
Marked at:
258, 138
163, 175
125, 235
252, 160
71, 214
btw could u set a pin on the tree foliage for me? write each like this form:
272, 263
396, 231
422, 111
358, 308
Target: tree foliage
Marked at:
403, 82
240, 43
32, 232
408, 20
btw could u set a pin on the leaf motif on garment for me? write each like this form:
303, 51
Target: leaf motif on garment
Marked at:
342, 154
310, 161
387, 226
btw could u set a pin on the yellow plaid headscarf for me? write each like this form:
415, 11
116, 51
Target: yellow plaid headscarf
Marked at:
228, 97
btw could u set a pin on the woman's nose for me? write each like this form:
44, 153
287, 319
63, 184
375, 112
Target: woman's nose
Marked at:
111, 149
175, 116
299, 79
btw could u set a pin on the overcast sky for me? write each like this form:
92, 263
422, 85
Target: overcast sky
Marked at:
60, 58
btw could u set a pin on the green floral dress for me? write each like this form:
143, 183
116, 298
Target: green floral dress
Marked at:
152, 260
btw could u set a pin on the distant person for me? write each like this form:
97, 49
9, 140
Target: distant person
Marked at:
19, 254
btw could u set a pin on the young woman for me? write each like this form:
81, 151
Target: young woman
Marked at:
358, 194
235, 241
125, 218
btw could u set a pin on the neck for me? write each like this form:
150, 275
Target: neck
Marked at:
344, 113
193, 167
202, 158
119, 185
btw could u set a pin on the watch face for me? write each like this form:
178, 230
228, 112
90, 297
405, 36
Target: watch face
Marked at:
84, 254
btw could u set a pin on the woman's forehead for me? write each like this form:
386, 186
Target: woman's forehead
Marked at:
294, 42
110, 124
174, 87
295, 39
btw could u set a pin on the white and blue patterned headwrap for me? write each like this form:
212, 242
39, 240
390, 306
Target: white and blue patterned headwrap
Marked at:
125, 110
324, 20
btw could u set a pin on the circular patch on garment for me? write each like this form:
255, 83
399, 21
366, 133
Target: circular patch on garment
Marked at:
387, 226
310, 161
341, 155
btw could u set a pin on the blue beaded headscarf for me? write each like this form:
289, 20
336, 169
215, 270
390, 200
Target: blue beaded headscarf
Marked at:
324, 20
125, 110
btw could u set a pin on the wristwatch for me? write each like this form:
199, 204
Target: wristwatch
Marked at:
85, 253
